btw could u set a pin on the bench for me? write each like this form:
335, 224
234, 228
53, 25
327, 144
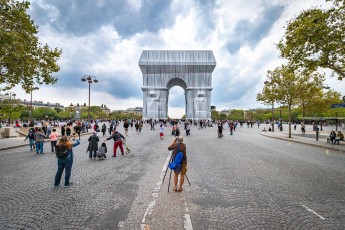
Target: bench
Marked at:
329, 140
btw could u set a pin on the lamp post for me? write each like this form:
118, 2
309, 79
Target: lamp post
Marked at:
89, 79
70, 113
32, 89
272, 122
281, 119
11, 94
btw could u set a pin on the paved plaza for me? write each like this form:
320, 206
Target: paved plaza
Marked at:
244, 181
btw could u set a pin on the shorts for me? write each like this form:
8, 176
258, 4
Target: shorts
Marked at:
161, 134
183, 170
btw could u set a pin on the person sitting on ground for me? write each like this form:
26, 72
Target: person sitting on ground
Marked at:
339, 137
264, 130
177, 145
332, 136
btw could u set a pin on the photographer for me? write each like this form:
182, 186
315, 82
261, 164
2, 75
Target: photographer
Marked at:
177, 145
67, 162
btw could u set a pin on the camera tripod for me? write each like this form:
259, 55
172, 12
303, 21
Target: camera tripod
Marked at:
171, 159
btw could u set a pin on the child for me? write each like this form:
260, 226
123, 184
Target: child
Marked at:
102, 150
161, 132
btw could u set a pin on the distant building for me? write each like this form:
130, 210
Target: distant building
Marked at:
136, 110
37, 104
227, 112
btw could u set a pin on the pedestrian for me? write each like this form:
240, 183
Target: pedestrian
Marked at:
188, 129
63, 130
117, 137
53, 139
65, 164
294, 126
78, 128
68, 131
39, 139
177, 131
177, 145
137, 127
232, 127
93, 144
220, 129
140, 126
161, 132
31, 136
104, 129
303, 128
126, 125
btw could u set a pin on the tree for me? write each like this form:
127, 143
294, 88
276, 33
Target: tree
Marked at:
283, 86
315, 38
23, 60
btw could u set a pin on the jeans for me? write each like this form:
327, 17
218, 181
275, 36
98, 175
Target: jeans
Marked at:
63, 164
53, 144
39, 147
90, 153
32, 143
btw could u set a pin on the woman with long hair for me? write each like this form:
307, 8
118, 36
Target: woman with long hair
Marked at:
66, 163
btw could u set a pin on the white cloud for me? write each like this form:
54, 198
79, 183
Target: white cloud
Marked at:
238, 77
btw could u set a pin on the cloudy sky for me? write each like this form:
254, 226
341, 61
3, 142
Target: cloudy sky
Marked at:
105, 38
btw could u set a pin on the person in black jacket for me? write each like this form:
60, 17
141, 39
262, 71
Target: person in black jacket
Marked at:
93, 145
117, 137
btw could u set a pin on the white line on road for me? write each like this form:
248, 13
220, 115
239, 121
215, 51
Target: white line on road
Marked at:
312, 211
187, 223
151, 205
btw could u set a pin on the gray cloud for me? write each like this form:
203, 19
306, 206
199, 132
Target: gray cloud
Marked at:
250, 33
80, 17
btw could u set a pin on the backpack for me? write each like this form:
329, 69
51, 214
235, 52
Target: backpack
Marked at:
61, 152
31, 135
176, 165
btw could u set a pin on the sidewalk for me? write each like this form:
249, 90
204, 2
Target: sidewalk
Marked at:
308, 138
14, 142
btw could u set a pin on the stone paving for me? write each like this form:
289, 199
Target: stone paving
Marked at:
244, 181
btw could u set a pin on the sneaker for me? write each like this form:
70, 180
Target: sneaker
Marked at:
69, 184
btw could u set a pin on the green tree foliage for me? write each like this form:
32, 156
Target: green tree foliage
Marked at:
283, 87
315, 38
23, 60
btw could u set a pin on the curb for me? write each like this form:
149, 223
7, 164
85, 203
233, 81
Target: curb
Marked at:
27, 144
301, 142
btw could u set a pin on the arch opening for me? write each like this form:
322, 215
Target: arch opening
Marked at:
176, 102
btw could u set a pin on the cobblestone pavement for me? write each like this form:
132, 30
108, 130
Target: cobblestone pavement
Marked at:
243, 181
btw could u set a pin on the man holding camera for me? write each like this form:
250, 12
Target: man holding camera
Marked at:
177, 145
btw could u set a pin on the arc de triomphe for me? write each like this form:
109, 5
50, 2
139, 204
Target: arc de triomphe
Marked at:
163, 69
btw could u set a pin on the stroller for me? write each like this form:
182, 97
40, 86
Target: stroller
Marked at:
128, 150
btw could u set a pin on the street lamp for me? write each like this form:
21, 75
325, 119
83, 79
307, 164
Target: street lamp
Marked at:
32, 89
281, 119
272, 122
70, 113
89, 79
11, 94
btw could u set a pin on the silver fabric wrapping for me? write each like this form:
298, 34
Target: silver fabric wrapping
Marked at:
163, 69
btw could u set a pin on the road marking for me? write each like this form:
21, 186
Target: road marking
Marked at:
154, 194
187, 223
289, 143
312, 211
327, 151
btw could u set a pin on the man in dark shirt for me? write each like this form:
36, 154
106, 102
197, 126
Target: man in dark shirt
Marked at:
117, 137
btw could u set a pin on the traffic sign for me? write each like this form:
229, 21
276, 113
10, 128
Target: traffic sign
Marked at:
338, 106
